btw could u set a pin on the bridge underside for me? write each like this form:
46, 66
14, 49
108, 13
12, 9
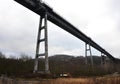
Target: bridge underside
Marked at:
41, 9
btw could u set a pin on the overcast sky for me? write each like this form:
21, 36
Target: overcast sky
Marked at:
98, 19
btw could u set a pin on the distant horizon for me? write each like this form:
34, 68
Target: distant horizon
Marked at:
49, 55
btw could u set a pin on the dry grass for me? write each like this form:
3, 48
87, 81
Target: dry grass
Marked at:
98, 80
95, 80
70, 81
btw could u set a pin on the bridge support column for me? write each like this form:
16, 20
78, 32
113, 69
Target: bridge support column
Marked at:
103, 59
43, 20
88, 48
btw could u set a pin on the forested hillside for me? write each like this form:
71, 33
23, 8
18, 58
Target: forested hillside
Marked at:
75, 65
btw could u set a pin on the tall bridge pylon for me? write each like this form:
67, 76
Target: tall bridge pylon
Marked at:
88, 49
42, 26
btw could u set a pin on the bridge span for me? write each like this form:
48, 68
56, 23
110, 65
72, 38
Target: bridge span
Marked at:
47, 13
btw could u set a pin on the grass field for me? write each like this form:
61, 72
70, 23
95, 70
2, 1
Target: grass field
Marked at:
98, 80
92, 80
86, 81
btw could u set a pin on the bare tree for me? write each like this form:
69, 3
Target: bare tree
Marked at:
25, 57
2, 55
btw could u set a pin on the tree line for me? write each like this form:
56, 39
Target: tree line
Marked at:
58, 64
